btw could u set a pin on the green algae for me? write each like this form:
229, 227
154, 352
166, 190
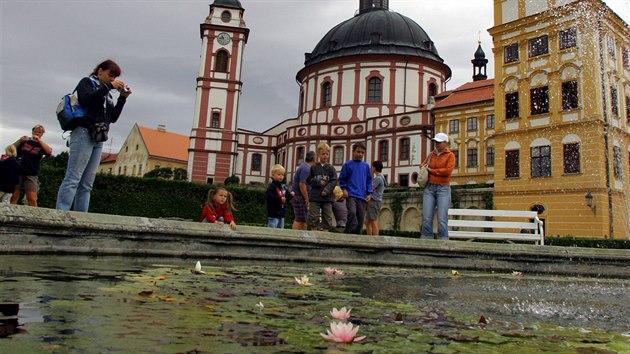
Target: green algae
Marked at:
167, 309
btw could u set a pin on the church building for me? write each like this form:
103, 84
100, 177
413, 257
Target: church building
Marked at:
550, 133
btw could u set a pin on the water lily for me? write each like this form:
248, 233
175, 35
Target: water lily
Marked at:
302, 280
197, 269
332, 271
260, 305
342, 333
517, 274
343, 314
454, 272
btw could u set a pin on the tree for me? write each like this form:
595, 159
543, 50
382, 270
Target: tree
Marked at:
58, 161
180, 174
233, 179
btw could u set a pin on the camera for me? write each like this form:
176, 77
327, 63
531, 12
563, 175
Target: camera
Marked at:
126, 89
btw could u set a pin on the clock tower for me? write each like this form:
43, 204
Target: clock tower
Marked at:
213, 140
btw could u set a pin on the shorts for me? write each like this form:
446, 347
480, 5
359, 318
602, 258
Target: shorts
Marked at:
299, 208
29, 183
374, 206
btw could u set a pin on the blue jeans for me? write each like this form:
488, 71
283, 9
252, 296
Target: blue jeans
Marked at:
439, 196
276, 223
85, 156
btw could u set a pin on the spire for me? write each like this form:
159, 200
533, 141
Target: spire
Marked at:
479, 64
369, 5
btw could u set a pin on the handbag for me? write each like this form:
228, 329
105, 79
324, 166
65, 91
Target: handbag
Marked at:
423, 175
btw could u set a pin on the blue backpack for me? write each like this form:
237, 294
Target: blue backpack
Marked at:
69, 111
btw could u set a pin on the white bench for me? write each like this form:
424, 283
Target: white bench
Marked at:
510, 225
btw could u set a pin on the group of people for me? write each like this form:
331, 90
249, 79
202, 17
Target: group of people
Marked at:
318, 196
322, 200
19, 170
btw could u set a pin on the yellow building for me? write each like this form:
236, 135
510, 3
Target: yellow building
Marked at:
146, 149
562, 108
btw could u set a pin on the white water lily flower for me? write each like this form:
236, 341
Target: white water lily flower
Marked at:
197, 269
303, 280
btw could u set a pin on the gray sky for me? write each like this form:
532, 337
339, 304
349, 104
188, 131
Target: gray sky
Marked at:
47, 46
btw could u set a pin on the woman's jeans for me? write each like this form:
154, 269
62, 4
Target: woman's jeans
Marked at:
276, 223
439, 196
84, 159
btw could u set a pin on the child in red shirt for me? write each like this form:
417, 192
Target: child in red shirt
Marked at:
218, 208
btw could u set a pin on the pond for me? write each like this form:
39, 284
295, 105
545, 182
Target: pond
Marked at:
113, 304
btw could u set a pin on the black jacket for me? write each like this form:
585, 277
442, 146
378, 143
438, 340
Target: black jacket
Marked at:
328, 175
93, 98
274, 194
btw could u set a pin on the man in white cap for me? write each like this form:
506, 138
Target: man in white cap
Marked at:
437, 193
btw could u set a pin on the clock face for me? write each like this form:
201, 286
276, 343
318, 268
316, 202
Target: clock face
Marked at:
223, 38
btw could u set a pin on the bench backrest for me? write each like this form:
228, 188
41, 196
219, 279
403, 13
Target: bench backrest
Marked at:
506, 223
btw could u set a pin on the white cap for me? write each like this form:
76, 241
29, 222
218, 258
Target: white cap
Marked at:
440, 137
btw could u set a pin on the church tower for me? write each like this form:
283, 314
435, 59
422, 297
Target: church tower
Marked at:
479, 64
213, 140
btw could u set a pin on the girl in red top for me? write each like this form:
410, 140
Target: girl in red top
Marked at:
218, 208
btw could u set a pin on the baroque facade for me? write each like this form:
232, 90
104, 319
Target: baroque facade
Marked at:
550, 133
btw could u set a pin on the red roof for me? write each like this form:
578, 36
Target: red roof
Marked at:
470, 92
106, 157
165, 144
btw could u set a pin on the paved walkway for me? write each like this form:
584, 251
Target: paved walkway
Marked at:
26, 230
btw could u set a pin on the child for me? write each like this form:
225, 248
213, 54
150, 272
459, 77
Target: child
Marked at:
339, 209
9, 174
277, 196
218, 208
374, 205
323, 179
355, 180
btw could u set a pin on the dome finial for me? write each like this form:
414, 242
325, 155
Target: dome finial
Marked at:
369, 5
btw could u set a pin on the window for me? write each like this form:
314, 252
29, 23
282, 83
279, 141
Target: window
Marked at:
221, 62
301, 107
628, 109
403, 180
300, 155
471, 157
383, 150
569, 95
568, 38
125, 170
511, 164
256, 162
139, 170
511, 105
374, 90
540, 100
614, 101
538, 46
137, 147
453, 126
338, 155
432, 89
490, 121
456, 154
226, 16
215, 120
404, 149
133, 170
610, 45
490, 156
541, 161
617, 162
119, 168
326, 94
571, 158
510, 53
471, 124
626, 60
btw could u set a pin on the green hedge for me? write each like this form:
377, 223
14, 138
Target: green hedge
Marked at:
157, 198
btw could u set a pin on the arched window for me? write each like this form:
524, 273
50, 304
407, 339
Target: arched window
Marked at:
326, 94
338, 155
221, 64
300, 155
383, 150
432, 89
216, 120
374, 90
256, 162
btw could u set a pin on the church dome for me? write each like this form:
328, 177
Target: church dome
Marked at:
377, 31
235, 4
